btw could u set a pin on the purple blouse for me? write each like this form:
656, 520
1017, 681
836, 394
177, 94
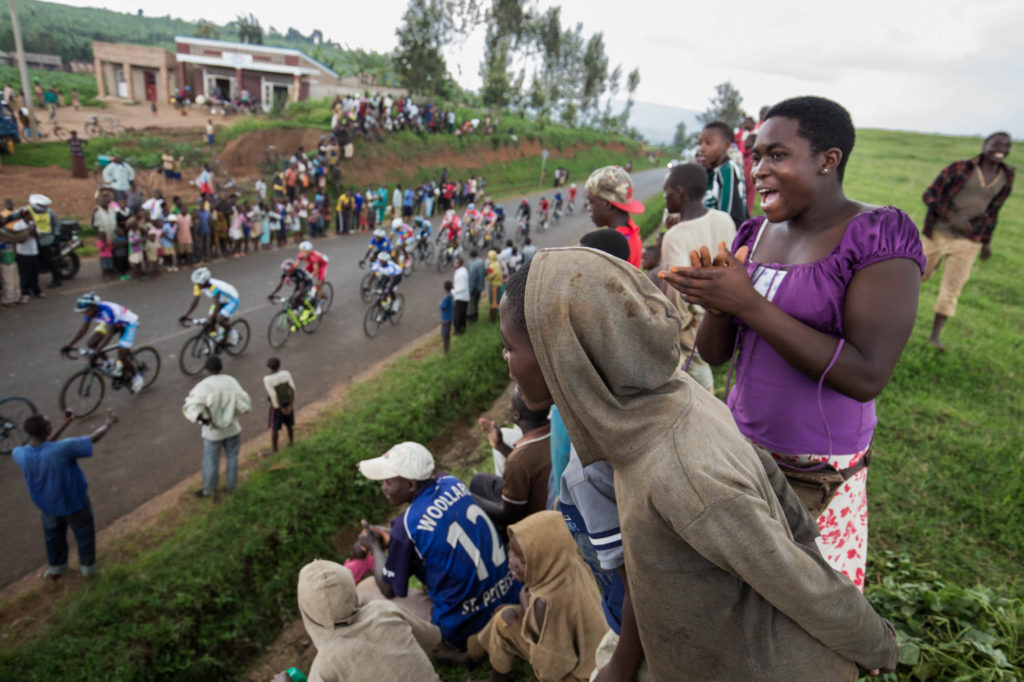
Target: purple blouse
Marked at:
775, 405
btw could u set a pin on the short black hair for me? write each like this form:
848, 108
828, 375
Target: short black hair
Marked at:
997, 134
473, 253
515, 293
214, 364
822, 122
35, 426
724, 129
448, 285
610, 241
273, 364
692, 178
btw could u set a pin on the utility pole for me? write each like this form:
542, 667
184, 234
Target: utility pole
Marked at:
19, 49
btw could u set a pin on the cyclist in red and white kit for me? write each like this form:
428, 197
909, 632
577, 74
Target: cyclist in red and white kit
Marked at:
572, 197
316, 265
451, 225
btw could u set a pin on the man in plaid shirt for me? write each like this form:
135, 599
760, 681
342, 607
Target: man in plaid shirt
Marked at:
963, 204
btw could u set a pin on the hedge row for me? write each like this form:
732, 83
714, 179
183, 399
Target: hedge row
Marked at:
201, 606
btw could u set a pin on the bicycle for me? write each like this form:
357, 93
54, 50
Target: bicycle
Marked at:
556, 215
422, 248
58, 131
291, 320
369, 286
93, 127
84, 390
382, 309
542, 221
192, 358
446, 256
14, 410
522, 231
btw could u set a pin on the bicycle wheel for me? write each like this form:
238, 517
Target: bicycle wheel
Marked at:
313, 323
192, 358
366, 288
242, 327
147, 361
60, 133
443, 260
13, 413
328, 297
83, 392
92, 129
427, 252
280, 327
410, 264
373, 320
397, 308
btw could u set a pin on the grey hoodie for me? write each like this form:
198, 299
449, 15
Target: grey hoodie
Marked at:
723, 576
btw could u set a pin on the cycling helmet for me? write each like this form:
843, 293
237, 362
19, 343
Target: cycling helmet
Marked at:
287, 265
384, 257
396, 223
471, 207
306, 246
201, 276
450, 213
379, 233
86, 300
573, 185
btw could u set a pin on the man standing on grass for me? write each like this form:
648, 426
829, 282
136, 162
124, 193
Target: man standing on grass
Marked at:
281, 394
215, 403
477, 284
963, 205
119, 176
57, 486
461, 294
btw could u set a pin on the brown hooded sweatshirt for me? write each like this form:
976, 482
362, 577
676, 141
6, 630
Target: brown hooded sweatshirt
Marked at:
574, 622
722, 578
378, 642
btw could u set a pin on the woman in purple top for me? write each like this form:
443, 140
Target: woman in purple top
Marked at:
814, 307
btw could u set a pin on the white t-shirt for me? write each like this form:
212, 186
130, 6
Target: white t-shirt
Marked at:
271, 380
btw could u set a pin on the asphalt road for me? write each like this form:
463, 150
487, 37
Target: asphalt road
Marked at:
153, 447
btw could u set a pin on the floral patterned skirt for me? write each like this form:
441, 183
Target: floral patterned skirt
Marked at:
844, 524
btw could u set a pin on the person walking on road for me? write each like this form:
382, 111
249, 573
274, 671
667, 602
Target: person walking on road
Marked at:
215, 403
281, 394
58, 487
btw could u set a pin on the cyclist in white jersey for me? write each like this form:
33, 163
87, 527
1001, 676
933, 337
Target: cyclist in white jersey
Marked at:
113, 318
225, 302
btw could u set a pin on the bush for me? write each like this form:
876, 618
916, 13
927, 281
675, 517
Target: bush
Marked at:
202, 605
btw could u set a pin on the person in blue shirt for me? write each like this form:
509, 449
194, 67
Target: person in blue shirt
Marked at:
443, 538
447, 313
58, 488
408, 199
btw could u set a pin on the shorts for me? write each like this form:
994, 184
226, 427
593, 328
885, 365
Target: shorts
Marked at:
184, 249
135, 258
446, 330
128, 335
228, 309
209, 139
278, 419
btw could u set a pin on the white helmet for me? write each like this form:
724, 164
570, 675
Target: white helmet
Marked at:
86, 300
379, 233
306, 246
201, 276
384, 257
471, 207
39, 201
573, 185
396, 223
449, 213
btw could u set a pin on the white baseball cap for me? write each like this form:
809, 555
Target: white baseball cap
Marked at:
408, 460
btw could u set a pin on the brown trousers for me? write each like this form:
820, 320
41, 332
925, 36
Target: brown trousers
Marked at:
959, 254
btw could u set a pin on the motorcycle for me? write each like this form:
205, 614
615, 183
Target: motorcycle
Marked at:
67, 240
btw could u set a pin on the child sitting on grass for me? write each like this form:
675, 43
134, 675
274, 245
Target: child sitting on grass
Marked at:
726, 190
559, 621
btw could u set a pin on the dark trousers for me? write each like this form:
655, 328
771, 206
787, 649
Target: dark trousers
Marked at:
346, 220
49, 257
473, 313
459, 316
55, 529
28, 273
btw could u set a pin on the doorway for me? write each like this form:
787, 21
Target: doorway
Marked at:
150, 81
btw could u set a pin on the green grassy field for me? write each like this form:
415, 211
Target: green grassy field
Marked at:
65, 82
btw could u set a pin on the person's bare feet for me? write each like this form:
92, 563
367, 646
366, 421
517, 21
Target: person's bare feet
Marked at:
936, 344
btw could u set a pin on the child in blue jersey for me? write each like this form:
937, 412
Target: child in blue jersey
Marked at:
443, 538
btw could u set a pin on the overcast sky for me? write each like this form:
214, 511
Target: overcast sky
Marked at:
931, 65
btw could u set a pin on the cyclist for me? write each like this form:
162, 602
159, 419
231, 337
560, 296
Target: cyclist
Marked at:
543, 206
378, 242
390, 273
572, 197
450, 224
401, 235
225, 303
489, 216
471, 218
113, 318
302, 286
558, 204
316, 265
422, 227
523, 214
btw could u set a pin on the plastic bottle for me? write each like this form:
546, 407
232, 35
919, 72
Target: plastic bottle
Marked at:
296, 675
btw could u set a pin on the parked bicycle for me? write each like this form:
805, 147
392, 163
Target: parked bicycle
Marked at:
84, 390
13, 413
290, 320
385, 308
93, 127
192, 358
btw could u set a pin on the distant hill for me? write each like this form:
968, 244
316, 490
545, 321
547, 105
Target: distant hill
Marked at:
52, 28
657, 122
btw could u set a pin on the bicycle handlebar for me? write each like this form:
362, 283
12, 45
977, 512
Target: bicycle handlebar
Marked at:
192, 321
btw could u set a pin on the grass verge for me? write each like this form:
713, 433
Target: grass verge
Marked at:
202, 605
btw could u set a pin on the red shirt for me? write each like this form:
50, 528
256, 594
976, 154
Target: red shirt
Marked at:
315, 262
636, 247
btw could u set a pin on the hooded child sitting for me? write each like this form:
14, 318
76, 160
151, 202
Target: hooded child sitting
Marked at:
559, 621
724, 579
378, 641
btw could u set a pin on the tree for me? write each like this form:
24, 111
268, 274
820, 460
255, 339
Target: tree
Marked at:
632, 82
724, 106
427, 26
207, 29
683, 140
249, 29
496, 91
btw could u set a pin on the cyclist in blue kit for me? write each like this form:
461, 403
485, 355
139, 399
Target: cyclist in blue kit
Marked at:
112, 319
444, 538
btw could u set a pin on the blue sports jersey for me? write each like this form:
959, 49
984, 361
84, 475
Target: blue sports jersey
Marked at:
380, 243
447, 541
612, 589
113, 314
